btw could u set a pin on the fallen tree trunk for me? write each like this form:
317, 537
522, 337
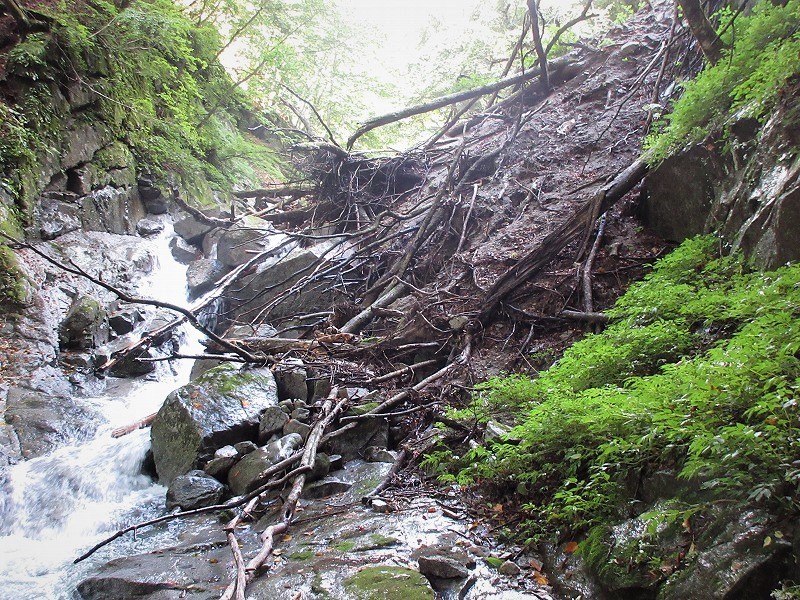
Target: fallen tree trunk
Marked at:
420, 109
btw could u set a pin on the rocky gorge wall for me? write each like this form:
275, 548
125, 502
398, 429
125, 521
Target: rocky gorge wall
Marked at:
745, 188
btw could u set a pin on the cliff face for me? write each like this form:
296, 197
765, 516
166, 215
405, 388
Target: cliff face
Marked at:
745, 188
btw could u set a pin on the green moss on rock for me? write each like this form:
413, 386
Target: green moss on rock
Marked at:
388, 583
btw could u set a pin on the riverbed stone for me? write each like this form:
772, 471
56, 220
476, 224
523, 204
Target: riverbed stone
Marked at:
291, 378
385, 582
195, 489
192, 230
248, 473
224, 459
202, 274
240, 243
434, 563
272, 421
293, 426
84, 326
124, 321
43, 422
146, 227
223, 406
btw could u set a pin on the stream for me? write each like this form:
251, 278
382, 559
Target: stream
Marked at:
62, 503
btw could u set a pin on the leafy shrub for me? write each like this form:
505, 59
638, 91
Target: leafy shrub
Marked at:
763, 56
699, 374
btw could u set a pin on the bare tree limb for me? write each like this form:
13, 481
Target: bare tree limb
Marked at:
419, 109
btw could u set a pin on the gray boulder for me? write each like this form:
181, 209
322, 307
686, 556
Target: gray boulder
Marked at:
239, 244
147, 227
248, 473
42, 422
202, 275
272, 421
223, 406
196, 489
223, 460
182, 251
291, 378
192, 230
84, 326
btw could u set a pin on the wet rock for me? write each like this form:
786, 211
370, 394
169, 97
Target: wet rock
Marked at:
202, 274
128, 366
147, 227
272, 421
182, 251
376, 454
194, 570
509, 568
321, 467
154, 201
389, 583
124, 321
301, 414
496, 432
202, 365
277, 275
84, 326
223, 460
192, 230
43, 423
248, 473
738, 557
244, 448
293, 426
223, 406
326, 488
240, 243
193, 490
374, 432
436, 564
380, 506
56, 218
291, 378
112, 209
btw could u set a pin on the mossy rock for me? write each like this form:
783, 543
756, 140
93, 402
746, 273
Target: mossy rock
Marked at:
388, 583
15, 290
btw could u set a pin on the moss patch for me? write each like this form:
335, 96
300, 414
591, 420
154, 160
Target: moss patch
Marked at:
388, 583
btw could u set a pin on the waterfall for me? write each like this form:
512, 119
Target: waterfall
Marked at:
62, 503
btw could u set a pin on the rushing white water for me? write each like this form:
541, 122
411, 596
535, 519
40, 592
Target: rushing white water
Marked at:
64, 502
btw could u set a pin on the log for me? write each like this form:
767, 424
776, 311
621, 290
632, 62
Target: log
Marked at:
483, 90
140, 424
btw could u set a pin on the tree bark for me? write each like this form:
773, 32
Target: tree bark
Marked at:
710, 43
533, 8
419, 109
18, 13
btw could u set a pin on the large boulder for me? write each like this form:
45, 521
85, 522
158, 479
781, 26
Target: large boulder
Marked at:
111, 209
239, 244
196, 489
84, 326
278, 274
223, 406
202, 275
43, 422
248, 473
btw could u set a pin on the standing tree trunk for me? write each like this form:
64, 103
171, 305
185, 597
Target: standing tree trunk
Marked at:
710, 43
544, 77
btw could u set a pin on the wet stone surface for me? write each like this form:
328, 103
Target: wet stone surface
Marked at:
336, 549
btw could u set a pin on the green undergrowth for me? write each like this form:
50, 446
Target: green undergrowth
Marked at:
698, 375
150, 78
748, 81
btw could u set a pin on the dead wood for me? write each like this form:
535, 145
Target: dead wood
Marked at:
398, 463
140, 424
544, 77
419, 109
276, 192
329, 413
591, 317
273, 470
586, 275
